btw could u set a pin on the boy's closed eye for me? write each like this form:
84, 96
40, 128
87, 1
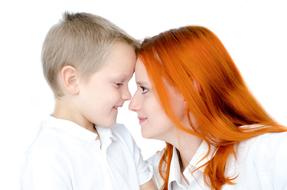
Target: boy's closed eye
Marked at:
118, 84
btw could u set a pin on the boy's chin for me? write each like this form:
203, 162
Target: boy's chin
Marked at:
108, 124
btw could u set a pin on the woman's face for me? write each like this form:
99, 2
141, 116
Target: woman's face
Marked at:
152, 118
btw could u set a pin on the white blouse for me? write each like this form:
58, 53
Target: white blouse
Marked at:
261, 164
65, 156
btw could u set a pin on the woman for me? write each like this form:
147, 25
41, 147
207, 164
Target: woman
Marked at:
191, 95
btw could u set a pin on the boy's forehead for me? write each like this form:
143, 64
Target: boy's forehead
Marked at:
118, 70
119, 63
121, 75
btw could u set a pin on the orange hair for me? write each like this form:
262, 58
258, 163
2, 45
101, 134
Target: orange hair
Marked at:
194, 61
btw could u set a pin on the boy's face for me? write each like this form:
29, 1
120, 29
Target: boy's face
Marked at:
107, 89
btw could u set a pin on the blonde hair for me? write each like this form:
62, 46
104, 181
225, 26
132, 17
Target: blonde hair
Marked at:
223, 103
81, 40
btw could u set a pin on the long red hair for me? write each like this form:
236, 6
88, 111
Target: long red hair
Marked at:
194, 61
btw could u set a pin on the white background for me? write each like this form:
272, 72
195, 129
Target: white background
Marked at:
254, 32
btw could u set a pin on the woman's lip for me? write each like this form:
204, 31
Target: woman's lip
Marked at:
142, 119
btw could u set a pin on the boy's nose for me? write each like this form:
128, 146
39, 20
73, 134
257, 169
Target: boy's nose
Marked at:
126, 95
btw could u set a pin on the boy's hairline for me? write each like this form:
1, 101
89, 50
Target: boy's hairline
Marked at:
87, 75
120, 36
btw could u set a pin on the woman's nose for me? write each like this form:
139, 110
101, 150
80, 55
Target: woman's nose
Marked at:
134, 104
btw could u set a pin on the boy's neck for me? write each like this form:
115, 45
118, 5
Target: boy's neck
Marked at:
65, 110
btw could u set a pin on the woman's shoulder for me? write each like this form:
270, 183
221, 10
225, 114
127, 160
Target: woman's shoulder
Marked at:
263, 140
263, 149
267, 154
267, 140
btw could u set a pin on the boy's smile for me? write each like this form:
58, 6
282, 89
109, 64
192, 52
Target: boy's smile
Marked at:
107, 89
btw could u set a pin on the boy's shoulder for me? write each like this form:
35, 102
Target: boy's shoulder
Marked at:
123, 137
154, 161
155, 158
46, 141
121, 132
120, 129
50, 138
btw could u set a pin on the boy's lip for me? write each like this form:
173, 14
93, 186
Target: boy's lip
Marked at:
115, 108
118, 106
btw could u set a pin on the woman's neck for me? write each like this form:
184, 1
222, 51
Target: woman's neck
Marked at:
186, 144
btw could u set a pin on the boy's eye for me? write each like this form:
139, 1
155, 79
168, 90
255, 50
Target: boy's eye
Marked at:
118, 84
144, 89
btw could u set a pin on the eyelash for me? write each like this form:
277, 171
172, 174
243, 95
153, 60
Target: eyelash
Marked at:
118, 84
144, 89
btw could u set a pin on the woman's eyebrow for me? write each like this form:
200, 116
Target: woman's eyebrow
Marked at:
141, 83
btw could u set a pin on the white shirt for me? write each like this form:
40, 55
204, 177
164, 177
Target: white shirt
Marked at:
66, 156
261, 164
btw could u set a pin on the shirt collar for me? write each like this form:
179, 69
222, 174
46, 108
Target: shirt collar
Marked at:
200, 158
105, 135
197, 160
174, 172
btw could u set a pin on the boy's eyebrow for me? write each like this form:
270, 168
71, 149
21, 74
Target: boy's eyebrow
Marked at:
121, 76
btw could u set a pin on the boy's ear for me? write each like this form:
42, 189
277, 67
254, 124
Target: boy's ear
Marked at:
70, 79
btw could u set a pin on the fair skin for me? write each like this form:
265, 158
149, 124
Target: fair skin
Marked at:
154, 121
95, 101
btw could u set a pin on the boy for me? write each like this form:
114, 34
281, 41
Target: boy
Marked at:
87, 62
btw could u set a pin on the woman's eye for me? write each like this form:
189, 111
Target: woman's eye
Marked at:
144, 89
